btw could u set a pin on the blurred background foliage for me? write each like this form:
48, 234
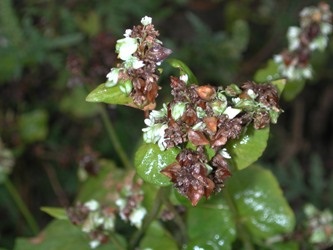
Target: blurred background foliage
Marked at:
53, 52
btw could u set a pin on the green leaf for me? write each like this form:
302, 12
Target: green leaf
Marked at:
249, 147
110, 95
33, 125
150, 160
211, 225
259, 202
57, 213
267, 74
156, 237
292, 89
280, 85
184, 69
61, 235
98, 187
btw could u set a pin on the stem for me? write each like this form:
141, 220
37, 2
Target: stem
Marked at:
114, 139
178, 219
149, 219
21, 206
241, 231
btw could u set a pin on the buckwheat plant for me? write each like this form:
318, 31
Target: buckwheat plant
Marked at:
310, 36
198, 123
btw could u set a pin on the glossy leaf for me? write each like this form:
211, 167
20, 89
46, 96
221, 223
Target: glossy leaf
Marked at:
61, 234
267, 74
156, 237
55, 212
259, 203
211, 225
249, 147
184, 69
150, 160
110, 95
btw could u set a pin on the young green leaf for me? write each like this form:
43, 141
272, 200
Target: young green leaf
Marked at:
55, 212
150, 160
249, 147
267, 74
260, 203
184, 69
110, 95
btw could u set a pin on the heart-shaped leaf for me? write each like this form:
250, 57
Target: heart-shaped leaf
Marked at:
150, 160
55, 212
249, 147
259, 203
211, 225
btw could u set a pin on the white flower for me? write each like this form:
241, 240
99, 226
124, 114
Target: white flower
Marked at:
137, 216
178, 110
225, 153
133, 62
251, 94
109, 223
126, 47
231, 112
146, 20
278, 58
326, 28
112, 76
92, 205
154, 133
128, 33
319, 43
293, 37
94, 243
184, 78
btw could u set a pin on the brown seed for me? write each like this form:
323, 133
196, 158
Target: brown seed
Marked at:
211, 123
206, 92
197, 138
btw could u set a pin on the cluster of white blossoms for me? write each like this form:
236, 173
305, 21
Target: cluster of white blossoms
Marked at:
98, 220
312, 35
125, 48
154, 132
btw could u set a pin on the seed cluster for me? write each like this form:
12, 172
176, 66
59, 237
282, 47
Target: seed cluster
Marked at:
141, 53
201, 120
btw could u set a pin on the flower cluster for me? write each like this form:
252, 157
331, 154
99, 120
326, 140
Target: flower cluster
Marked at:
99, 221
315, 26
94, 220
202, 118
141, 53
130, 204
